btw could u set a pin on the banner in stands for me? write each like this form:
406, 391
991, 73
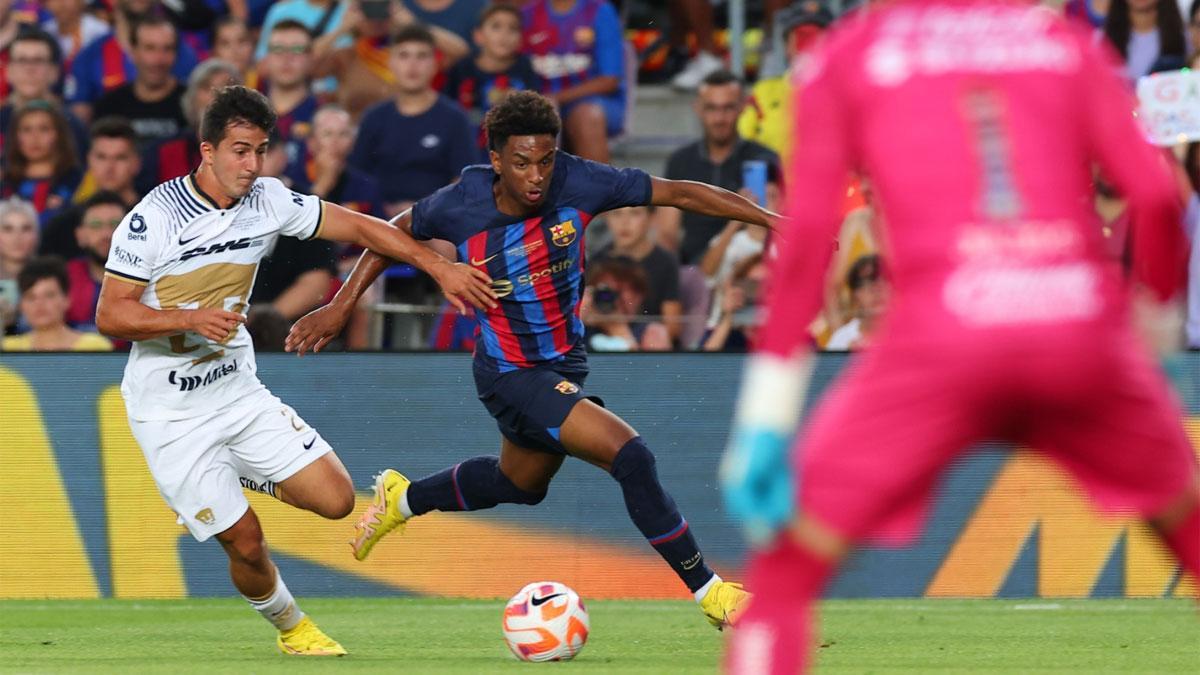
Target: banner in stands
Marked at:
80, 516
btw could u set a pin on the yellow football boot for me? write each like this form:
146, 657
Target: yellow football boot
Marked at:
305, 639
383, 515
723, 604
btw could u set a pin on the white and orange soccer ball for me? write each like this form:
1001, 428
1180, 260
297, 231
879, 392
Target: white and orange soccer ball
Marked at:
545, 621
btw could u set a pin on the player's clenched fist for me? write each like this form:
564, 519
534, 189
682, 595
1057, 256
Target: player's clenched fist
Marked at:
215, 324
461, 282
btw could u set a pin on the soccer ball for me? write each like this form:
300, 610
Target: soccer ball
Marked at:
545, 621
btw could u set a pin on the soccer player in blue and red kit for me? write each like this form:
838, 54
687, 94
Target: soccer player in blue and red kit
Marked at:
522, 220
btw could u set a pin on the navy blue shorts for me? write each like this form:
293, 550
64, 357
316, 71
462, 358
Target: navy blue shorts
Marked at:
531, 404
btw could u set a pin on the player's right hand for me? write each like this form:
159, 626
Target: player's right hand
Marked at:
461, 282
315, 329
756, 482
213, 323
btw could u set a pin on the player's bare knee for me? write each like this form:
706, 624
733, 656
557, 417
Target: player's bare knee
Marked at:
340, 504
245, 545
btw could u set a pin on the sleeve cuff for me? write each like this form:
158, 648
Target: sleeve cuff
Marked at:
320, 221
128, 278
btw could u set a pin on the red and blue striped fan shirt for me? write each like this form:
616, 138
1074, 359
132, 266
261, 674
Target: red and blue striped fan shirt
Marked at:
536, 263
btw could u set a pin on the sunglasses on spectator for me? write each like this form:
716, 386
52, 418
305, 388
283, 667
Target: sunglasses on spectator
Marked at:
285, 49
98, 224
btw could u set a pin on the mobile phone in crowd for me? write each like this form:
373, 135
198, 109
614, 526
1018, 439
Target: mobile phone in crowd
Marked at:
754, 179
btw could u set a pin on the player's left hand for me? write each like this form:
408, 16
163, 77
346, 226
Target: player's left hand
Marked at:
756, 482
461, 283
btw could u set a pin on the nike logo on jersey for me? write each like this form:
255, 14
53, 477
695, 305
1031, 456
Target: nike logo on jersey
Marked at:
308, 445
480, 263
537, 602
185, 242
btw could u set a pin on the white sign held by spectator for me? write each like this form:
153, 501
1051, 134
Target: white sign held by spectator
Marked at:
1170, 106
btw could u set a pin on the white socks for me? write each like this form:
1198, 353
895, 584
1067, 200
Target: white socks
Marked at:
703, 590
279, 607
405, 509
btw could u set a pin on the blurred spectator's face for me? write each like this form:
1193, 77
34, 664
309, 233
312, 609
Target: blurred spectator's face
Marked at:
288, 61
206, 93
114, 163
1142, 5
96, 228
275, 161
154, 55
232, 43
237, 161
718, 107
500, 36
870, 297
65, 11
629, 301
629, 225
31, 69
18, 237
332, 135
36, 136
413, 65
45, 305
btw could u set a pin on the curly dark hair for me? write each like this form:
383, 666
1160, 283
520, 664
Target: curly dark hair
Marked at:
48, 267
521, 113
236, 105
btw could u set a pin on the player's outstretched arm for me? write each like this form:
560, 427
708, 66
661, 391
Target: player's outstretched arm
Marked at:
710, 200
120, 314
461, 283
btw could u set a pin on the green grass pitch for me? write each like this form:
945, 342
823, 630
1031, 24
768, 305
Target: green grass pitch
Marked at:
456, 636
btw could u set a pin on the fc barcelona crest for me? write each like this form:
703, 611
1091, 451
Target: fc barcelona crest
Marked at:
563, 234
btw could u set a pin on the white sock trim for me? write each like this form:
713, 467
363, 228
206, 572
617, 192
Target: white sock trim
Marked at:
405, 509
703, 590
279, 608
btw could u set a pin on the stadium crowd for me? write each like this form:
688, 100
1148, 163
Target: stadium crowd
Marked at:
380, 103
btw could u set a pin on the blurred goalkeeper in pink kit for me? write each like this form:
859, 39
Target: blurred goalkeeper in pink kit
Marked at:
978, 123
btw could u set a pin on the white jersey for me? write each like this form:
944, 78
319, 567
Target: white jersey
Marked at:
191, 254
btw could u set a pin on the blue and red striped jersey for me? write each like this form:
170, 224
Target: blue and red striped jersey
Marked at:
572, 48
536, 263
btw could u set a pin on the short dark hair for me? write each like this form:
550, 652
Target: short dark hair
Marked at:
113, 126
521, 113
47, 267
151, 20
721, 77
292, 24
31, 33
101, 198
497, 8
866, 268
413, 32
236, 105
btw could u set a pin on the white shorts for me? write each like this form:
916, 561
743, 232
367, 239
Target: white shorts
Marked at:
202, 463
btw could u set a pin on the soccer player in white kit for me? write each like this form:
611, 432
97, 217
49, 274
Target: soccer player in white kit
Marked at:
178, 283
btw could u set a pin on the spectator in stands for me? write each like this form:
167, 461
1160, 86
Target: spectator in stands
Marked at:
736, 243
72, 27
319, 16
43, 285
479, 82
112, 166
419, 140
868, 299
738, 320
364, 70
1149, 35
612, 298
180, 154
696, 15
33, 72
296, 276
152, 102
577, 48
1194, 31
716, 158
102, 213
40, 164
325, 171
18, 242
107, 63
633, 240
765, 118
232, 43
288, 69
457, 16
